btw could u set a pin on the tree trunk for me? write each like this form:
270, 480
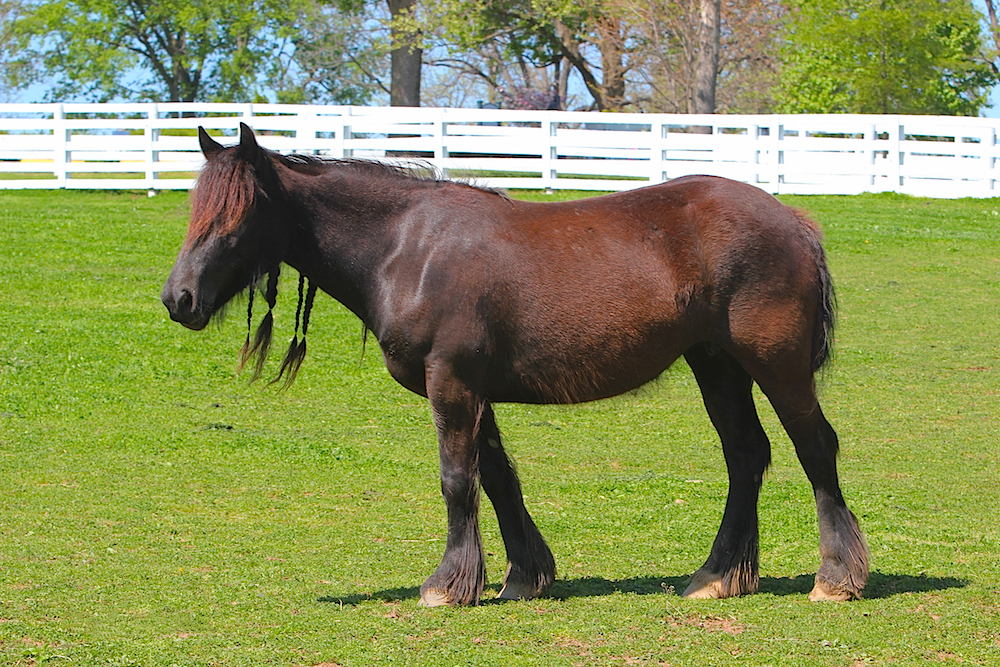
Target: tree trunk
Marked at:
707, 60
570, 47
565, 68
612, 62
407, 57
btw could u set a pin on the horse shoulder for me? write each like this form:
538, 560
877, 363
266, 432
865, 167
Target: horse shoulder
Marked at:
433, 284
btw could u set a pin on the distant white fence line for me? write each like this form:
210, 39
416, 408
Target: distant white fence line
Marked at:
152, 146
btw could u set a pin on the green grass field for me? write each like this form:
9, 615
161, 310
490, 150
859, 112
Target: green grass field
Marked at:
156, 510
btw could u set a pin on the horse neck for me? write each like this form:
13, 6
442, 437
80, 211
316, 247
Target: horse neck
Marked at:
343, 230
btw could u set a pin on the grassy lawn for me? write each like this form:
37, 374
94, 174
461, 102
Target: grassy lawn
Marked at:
156, 510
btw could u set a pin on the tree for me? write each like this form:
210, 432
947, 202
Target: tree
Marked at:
884, 56
597, 25
180, 51
353, 52
674, 49
503, 46
533, 42
340, 55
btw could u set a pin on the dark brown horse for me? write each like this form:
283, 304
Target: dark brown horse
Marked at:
477, 299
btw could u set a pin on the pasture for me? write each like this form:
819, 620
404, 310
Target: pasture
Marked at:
156, 510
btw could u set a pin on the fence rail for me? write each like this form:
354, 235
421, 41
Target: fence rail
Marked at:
153, 146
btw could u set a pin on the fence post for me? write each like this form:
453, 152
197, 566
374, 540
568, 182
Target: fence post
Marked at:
657, 163
343, 133
549, 151
990, 159
895, 154
306, 128
152, 135
440, 143
983, 153
247, 114
871, 155
60, 145
775, 135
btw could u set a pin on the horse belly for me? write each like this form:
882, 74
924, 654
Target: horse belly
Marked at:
603, 325
577, 364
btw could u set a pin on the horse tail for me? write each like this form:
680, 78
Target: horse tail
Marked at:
826, 305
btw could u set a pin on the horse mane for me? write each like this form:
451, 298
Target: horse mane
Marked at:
417, 171
227, 189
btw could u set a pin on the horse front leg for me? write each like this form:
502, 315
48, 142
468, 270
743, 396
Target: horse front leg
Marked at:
530, 566
460, 577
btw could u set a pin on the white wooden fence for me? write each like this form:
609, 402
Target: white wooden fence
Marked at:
153, 146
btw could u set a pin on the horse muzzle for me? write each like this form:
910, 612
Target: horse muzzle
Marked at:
183, 307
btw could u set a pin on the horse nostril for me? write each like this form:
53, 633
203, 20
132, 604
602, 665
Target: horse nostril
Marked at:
185, 301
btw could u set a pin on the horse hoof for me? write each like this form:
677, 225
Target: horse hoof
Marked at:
823, 592
433, 598
516, 591
704, 586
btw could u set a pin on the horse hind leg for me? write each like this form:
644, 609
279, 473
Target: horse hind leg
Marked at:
530, 566
731, 568
844, 554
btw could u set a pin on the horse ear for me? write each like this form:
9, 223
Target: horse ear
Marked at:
208, 144
248, 142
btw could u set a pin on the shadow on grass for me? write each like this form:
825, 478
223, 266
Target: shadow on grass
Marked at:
880, 585
388, 595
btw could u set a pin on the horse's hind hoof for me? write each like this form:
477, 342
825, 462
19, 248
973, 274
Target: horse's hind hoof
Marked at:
824, 592
517, 591
434, 598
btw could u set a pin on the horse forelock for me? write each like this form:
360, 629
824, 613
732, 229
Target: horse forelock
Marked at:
224, 194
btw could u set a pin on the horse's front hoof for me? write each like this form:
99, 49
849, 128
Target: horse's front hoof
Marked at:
824, 592
708, 585
704, 586
434, 598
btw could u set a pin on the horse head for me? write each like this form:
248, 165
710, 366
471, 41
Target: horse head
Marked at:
233, 237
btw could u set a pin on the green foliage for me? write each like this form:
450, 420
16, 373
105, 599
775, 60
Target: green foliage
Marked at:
884, 56
524, 29
157, 511
183, 51
340, 56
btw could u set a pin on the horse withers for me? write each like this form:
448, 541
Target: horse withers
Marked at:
477, 299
